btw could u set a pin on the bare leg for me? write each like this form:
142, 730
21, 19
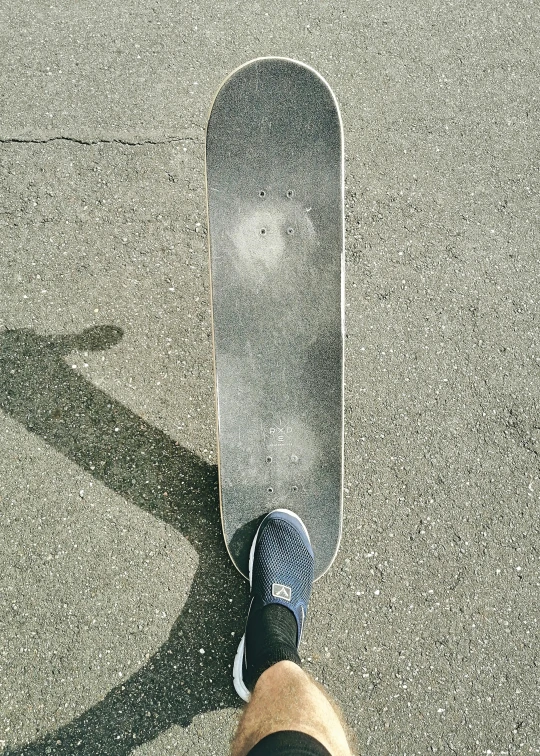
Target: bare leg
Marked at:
286, 698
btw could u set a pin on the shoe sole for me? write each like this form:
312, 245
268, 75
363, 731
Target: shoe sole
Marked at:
238, 681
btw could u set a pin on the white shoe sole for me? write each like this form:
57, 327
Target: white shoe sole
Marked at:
239, 686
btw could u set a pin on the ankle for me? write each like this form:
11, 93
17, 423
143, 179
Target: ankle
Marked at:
271, 637
278, 672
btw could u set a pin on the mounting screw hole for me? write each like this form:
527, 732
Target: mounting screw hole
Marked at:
263, 232
290, 231
294, 488
270, 490
269, 459
262, 193
290, 193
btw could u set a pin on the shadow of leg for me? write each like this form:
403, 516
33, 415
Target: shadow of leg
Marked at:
139, 462
176, 684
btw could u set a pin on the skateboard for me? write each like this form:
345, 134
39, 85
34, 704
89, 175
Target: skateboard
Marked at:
274, 180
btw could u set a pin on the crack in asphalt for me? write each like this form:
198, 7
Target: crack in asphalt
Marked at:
171, 140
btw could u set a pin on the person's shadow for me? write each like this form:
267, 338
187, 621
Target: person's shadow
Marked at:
139, 462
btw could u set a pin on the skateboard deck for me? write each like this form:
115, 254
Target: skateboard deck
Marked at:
274, 176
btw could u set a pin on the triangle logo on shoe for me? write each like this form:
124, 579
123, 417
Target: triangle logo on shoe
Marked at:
281, 591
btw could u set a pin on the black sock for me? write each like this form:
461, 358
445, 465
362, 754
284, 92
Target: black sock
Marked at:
270, 637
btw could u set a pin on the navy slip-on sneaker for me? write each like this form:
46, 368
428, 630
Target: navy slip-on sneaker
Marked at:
281, 569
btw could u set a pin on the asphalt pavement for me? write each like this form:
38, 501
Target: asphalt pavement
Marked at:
120, 611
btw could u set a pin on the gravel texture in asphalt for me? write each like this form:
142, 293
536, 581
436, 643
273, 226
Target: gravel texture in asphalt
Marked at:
120, 612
